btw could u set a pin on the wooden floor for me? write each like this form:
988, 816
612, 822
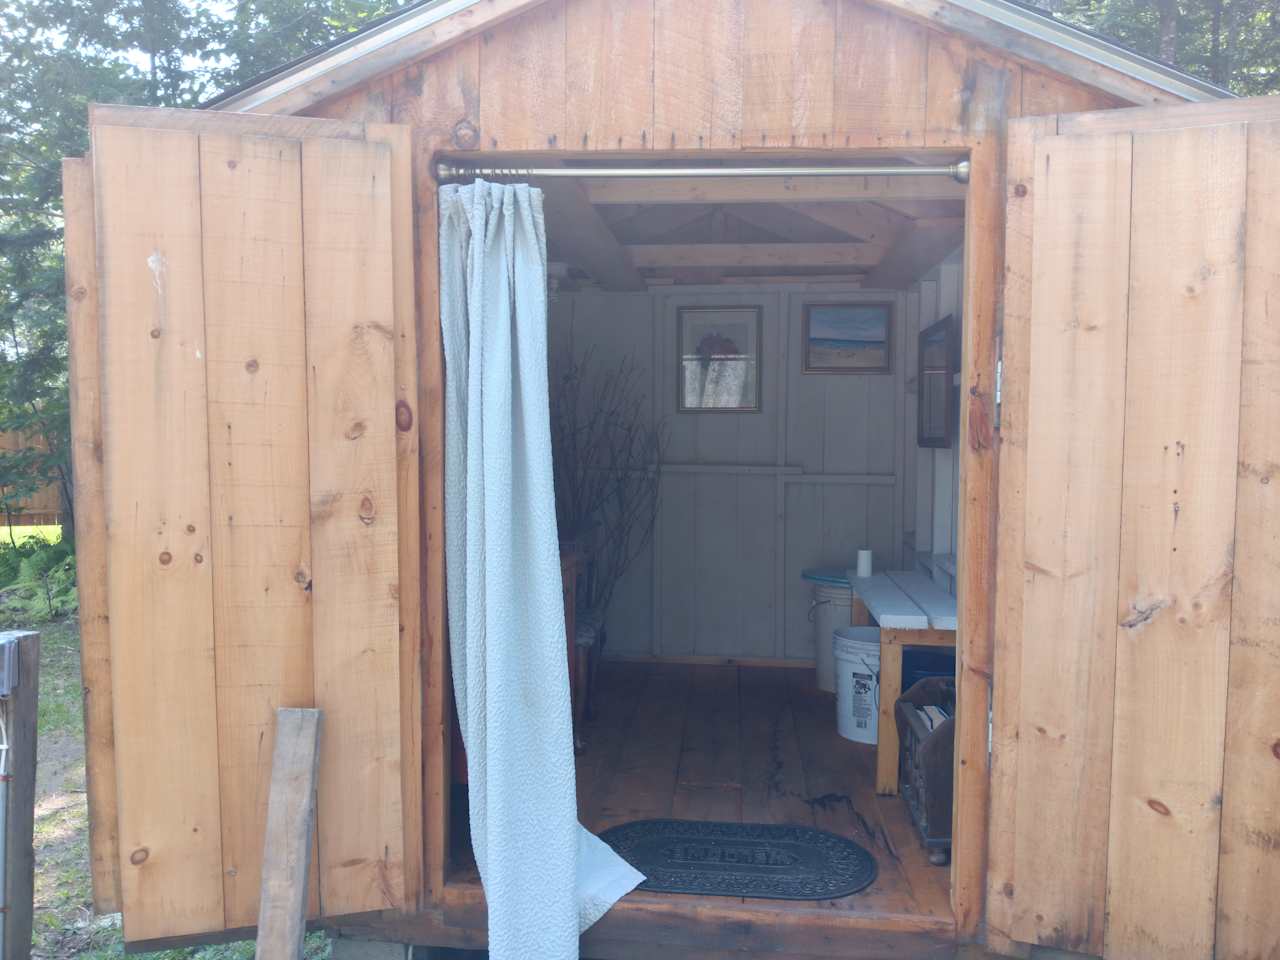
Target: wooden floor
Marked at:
753, 745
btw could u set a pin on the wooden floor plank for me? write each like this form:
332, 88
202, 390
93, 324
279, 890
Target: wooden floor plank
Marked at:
711, 749
643, 784
773, 788
614, 703
840, 784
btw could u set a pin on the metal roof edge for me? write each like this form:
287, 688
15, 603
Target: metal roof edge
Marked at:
361, 43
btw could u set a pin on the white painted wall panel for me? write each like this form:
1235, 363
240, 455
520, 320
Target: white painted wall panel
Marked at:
827, 466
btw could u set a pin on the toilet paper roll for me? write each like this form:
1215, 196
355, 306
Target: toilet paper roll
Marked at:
864, 563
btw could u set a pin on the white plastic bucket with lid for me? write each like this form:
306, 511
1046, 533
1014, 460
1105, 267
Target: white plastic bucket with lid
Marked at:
857, 658
829, 612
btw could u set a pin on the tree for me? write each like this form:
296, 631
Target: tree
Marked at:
1233, 43
58, 57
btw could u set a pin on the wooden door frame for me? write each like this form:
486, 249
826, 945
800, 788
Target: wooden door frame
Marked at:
983, 268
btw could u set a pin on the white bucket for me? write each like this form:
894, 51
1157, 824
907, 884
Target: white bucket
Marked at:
831, 610
857, 657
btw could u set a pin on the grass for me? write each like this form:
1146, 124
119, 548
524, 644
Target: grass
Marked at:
51, 532
65, 925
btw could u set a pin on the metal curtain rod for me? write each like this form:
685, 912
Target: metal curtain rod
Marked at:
454, 171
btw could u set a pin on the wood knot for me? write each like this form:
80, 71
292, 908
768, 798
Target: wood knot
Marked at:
166, 558
139, 856
356, 430
155, 333
980, 421
1159, 807
1020, 190
1007, 889
366, 510
199, 558
1275, 749
191, 528
300, 577
232, 164
466, 136
404, 416
252, 365
79, 293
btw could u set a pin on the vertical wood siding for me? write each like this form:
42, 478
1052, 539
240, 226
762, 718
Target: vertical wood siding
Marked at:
259, 392
716, 68
251, 213
84, 382
1178, 523
160, 585
1249, 868
1072, 544
719, 74
1138, 510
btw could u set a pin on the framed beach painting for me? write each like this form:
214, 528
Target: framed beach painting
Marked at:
847, 337
719, 359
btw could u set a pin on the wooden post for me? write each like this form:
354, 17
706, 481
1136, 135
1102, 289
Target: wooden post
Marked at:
286, 853
19, 825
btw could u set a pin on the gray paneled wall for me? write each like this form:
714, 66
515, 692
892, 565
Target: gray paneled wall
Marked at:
748, 500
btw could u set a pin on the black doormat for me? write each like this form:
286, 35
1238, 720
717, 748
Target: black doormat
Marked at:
770, 861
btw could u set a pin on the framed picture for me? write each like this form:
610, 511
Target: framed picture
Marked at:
719, 359
938, 398
847, 337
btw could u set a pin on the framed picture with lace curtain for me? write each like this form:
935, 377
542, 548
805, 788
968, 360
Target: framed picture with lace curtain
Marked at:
719, 359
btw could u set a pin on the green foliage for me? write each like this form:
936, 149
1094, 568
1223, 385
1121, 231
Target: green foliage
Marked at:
58, 56
37, 581
1233, 43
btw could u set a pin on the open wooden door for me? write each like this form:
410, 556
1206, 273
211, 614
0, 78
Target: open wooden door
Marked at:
245, 388
1136, 731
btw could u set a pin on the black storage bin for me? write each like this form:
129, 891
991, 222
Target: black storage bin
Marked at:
925, 763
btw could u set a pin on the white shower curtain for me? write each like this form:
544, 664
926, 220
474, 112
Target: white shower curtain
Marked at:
545, 877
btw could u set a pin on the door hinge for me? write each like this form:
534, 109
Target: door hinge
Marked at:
999, 375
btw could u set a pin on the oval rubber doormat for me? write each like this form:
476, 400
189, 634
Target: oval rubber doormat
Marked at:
766, 860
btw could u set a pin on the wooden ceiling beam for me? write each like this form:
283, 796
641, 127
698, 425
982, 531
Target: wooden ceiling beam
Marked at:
869, 222
650, 224
771, 189
692, 255
918, 249
785, 223
579, 236
916, 209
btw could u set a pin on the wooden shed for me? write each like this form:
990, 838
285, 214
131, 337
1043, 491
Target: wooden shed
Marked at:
257, 388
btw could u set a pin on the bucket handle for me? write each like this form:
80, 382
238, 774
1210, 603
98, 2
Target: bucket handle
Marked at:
876, 674
813, 606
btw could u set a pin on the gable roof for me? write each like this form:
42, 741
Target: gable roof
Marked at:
420, 29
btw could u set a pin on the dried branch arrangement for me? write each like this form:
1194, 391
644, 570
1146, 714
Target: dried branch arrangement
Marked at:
606, 450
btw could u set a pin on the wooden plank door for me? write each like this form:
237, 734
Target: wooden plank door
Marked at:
249, 403
1136, 731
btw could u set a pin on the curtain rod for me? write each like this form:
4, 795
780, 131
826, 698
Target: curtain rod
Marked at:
462, 171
